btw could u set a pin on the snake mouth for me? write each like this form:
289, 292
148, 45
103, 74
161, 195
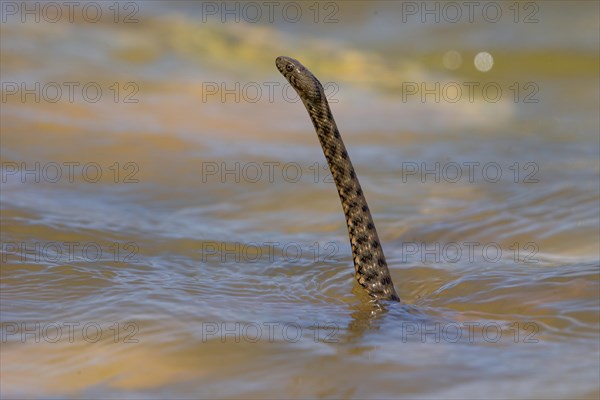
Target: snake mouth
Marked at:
278, 62
282, 62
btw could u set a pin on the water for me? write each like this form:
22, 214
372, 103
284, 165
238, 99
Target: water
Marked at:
179, 238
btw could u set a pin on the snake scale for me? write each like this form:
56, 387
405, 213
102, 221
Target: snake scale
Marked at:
369, 262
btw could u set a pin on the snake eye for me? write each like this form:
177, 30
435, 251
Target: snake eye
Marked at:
289, 67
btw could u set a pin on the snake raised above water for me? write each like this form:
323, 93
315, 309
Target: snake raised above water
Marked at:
369, 262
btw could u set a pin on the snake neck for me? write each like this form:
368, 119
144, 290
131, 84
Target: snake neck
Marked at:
369, 262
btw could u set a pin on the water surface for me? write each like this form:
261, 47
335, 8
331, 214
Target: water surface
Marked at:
179, 235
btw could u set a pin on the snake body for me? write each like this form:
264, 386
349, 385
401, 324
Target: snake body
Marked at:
369, 262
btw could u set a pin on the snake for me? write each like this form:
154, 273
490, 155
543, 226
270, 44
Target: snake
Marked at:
371, 270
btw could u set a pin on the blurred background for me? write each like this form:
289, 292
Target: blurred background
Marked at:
170, 229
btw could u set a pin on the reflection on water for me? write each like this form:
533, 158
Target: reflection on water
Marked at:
169, 226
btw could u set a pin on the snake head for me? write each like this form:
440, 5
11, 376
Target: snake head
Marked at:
302, 80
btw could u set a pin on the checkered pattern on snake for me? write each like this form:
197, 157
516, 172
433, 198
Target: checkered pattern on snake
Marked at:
369, 262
